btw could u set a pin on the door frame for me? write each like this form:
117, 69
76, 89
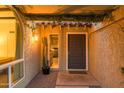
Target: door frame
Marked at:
58, 48
68, 33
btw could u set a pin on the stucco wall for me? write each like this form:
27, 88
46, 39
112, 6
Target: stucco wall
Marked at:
106, 55
31, 58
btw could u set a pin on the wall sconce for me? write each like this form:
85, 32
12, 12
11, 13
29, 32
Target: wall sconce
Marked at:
34, 33
34, 36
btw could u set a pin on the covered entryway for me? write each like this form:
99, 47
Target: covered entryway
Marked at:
77, 51
76, 46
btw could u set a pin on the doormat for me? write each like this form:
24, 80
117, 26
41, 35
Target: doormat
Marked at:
77, 72
94, 86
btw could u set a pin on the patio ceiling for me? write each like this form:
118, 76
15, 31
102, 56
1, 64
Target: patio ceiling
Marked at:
65, 9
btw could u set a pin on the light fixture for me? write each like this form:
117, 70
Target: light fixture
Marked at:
34, 33
34, 36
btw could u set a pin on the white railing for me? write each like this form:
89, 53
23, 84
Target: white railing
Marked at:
9, 67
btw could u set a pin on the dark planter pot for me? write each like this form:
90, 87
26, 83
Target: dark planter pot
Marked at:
46, 70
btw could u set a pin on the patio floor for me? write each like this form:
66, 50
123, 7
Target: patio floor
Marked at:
44, 81
76, 80
64, 79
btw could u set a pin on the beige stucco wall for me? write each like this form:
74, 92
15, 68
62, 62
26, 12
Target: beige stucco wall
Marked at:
31, 57
62, 31
106, 54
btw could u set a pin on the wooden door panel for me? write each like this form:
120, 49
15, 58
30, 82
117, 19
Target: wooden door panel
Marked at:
76, 51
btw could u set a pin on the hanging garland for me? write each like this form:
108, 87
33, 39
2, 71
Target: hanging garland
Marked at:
70, 17
68, 20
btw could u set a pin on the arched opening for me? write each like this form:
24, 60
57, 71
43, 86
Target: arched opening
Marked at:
11, 47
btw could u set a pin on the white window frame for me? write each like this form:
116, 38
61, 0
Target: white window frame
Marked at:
10, 64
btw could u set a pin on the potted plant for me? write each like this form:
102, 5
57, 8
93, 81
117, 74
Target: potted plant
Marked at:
45, 66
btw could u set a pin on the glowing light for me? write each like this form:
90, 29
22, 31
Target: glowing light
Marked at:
34, 37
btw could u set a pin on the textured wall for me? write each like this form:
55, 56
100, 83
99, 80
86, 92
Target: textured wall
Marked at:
118, 12
106, 55
31, 57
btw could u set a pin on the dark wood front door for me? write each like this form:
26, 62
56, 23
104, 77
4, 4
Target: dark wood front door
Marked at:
76, 51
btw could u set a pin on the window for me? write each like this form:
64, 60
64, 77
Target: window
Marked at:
11, 48
10, 37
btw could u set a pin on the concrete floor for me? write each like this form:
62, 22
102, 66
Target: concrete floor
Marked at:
63, 79
44, 81
76, 80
